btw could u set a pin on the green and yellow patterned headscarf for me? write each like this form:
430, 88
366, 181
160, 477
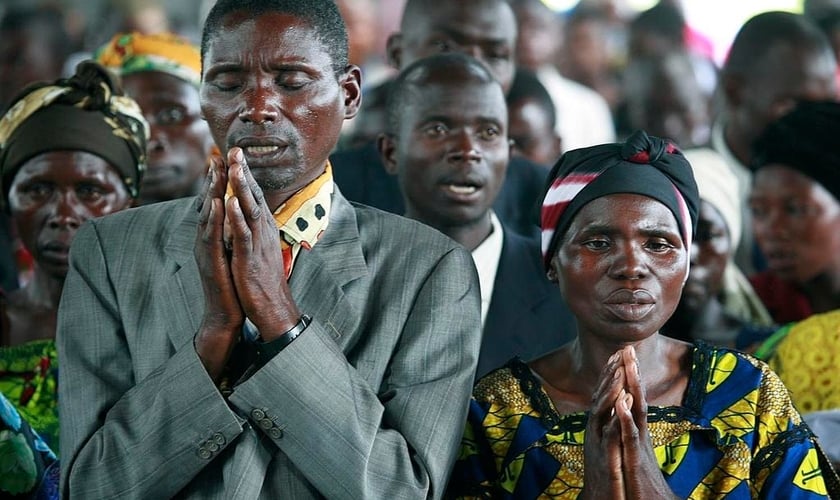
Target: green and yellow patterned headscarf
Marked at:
86, 112
129, 53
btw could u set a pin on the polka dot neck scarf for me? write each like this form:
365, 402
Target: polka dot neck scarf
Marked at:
304, 217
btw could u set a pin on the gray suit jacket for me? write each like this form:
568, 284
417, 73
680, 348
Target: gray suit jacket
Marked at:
369, 402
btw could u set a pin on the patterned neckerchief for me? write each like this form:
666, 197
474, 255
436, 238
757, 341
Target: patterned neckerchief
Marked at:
304, 217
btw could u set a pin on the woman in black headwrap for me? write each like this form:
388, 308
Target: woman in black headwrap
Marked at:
622, 411
69, 151
795, 202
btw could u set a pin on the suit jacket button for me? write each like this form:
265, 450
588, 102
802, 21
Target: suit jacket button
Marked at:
258, 414
275, 432
266, 423
204, 453
219, 439
213, 447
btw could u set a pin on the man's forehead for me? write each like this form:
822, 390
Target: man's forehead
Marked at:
458, 98
240, 27
290, 38
455, 18
792, 67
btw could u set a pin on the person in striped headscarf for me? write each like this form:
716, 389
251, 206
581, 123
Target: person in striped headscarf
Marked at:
162, 72
622, 411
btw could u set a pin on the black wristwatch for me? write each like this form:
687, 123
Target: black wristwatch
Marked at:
267, 350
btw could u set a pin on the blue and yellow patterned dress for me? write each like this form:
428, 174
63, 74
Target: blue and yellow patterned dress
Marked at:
737, 435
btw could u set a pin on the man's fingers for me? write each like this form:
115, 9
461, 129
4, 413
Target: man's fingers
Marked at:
213, 230
245, 187
241, 236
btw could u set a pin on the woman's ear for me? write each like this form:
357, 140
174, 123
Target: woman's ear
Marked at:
551, 274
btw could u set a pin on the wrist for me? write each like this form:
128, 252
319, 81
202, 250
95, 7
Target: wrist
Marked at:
268, 349
213, 348
273, 328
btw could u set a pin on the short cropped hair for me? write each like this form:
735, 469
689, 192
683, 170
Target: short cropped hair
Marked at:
420, 72
322, 15
526, 85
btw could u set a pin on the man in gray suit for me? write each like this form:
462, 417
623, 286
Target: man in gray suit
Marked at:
205, 354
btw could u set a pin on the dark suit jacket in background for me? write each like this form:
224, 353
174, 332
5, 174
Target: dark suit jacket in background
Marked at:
362, 178
369, 402
527, 316
8, 266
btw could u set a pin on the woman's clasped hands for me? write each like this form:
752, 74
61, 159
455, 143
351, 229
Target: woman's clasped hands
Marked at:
619, 461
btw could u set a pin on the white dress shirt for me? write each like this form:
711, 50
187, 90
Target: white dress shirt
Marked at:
486, 258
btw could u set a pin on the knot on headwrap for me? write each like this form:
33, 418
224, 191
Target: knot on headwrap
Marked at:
805, 140
643, 165
642, 148
129, 53
86, 112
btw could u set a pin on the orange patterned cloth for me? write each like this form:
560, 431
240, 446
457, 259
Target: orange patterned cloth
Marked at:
166, 52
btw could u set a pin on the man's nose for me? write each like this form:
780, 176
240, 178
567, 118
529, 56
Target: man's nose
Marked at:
464, 147
261, 104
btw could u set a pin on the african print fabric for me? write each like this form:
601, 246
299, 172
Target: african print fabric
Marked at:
169, 53
29, 379
805, 356
737, 435
28, 468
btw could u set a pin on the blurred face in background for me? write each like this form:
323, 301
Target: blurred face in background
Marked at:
484, 29
532, 132
768, 93
25, 57
796, 223
538, 36
710, 252
180, 140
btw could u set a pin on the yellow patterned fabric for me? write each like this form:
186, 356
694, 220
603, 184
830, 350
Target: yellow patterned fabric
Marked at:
737, 435
808, 361
129, 53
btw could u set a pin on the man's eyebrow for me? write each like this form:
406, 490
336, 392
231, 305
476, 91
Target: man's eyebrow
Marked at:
223, 67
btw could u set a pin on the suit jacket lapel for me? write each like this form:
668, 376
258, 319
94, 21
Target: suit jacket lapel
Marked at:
182, 288
324, 279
